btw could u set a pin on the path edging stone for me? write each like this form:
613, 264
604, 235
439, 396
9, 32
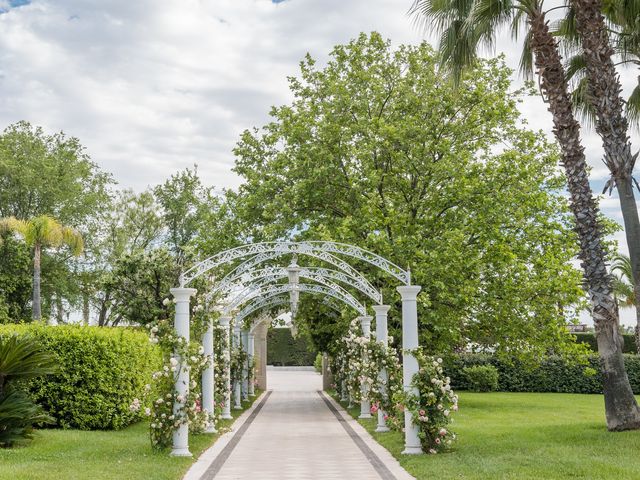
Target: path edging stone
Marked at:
200, 467
381, 452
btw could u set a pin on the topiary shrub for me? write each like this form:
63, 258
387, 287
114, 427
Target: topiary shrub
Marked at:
284, 350
481, 378
101, 372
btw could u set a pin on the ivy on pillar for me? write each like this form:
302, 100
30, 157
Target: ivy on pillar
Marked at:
410, 366
182, 298
252, 346
225, 322
208, 378
365, 404
382, 337
237, 404
244, 342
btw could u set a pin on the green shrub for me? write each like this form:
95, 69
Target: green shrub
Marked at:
554, 374
284, 350
102, 370
481, 378
317, 364
628, 346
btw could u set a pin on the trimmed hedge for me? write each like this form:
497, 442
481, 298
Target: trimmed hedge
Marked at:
102, 371
552, 375
629, 345
284, 350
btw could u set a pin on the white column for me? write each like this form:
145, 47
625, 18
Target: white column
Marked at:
409, 295
237, 393
244, 336
225, 321
365, 404
181, 377
382, 337
208, 378
252, 346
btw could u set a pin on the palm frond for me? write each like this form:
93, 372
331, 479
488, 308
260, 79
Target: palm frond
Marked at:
526, 58
576, 66
23, 357
581, 104
73, 239
18, 414
633, 106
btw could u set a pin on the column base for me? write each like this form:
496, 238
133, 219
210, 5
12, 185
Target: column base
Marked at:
226, 416
237, 407
412, 451
181, 452
382, 429
365, 415
211, 429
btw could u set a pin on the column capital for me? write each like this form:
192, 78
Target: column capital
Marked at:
183, 294
224, 320
364, 319
409, 292
381, 309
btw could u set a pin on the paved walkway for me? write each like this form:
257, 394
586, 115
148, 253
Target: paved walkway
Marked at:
296, 433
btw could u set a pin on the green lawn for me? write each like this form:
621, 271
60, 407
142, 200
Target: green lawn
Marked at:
100, 455
526, 436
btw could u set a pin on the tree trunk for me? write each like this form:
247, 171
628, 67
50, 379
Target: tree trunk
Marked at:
620, 405
37, 304
85, 308
605, 96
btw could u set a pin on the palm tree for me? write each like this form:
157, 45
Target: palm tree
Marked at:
623, 284
465, 26
625, 288
42, 232
601, 92
21, 358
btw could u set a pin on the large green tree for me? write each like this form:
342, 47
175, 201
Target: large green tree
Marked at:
378, 149
51, 175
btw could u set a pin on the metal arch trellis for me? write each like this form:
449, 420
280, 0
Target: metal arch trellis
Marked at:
313, 248
249, 265
320, 275
315, 289
269, 302
332, 290
258, 288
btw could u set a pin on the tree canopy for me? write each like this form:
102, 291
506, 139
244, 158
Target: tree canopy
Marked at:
380, 150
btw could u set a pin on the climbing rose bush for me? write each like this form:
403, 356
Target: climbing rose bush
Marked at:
160, 392
432, 409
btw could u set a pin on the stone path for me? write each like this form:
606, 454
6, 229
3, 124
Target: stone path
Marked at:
295, 435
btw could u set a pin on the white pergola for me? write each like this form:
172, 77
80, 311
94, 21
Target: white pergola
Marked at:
252, 288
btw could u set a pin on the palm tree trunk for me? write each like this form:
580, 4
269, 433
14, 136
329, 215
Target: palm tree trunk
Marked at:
620, 405
37, 308
604, 95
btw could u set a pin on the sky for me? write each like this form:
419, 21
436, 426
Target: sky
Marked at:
153, 87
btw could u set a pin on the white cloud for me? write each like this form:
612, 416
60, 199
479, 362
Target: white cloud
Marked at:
153, 87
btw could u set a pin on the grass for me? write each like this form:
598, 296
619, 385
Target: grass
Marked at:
102, 455
525, 436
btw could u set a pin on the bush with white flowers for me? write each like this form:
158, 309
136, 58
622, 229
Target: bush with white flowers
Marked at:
431, 410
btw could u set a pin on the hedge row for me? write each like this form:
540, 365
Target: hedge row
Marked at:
101, 371
589, 338
284, 350
552, 375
